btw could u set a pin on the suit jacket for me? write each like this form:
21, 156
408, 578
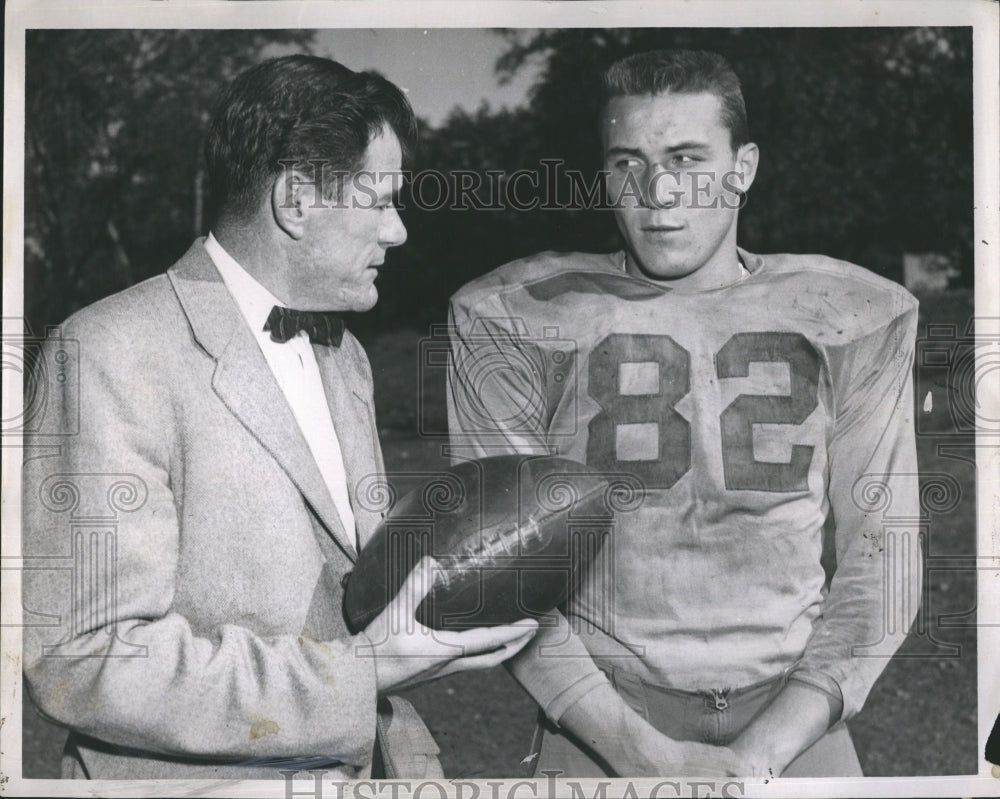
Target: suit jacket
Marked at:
184, 590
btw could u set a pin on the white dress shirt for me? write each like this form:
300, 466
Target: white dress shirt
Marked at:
293, 365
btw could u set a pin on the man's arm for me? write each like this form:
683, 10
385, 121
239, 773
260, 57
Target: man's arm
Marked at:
118, 662
122, 665
874, 594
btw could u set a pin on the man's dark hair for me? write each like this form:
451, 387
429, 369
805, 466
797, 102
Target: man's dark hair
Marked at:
297, 108
683, 72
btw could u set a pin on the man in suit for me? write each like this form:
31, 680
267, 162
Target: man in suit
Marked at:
211, 473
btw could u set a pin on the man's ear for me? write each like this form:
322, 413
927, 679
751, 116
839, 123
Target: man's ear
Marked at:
288, 202
746, 166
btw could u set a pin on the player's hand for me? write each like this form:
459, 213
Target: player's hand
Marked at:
706, 760
794, 721
759, 762
406, 652
670, 758
633, 747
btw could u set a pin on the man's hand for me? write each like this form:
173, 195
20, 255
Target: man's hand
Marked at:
406, 652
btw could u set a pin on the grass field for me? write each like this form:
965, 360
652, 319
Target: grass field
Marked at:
921, 716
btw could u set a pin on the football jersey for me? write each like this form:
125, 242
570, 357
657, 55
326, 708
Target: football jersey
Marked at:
742, 421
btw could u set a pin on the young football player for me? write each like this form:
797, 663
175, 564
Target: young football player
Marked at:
762, 404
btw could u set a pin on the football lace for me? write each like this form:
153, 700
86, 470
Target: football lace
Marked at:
493, 546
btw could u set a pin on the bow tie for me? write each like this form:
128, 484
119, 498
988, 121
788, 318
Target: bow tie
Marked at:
322, 327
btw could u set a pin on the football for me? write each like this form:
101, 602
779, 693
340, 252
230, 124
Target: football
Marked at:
511, 535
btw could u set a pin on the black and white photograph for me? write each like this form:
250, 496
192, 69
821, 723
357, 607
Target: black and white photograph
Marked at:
501, 400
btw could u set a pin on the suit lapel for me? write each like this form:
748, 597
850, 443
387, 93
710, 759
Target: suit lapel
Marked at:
348, 394
244, 382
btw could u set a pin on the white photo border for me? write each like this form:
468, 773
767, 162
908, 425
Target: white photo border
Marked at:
981, 15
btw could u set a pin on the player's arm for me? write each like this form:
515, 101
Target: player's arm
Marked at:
874, 502
557, 670
603, 722
494, 387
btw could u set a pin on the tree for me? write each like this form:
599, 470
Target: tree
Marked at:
865, 134
114, 121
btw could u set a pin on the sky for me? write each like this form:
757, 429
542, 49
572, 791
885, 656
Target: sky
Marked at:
437, 68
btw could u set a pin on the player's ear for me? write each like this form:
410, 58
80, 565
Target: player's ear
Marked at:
746, 166
291, 192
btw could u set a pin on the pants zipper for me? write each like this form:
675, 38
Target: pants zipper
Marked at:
721, 698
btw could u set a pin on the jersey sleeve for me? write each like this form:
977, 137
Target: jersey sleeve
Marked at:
494, 391
873, 493
495, 408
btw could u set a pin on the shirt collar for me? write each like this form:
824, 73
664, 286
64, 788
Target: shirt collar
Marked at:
254, 301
